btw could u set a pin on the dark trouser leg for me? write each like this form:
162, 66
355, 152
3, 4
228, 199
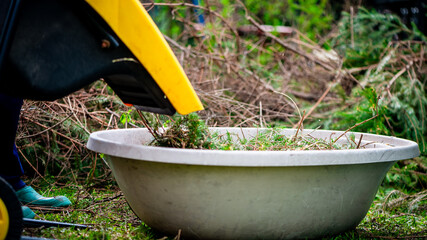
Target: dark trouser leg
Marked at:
10, 164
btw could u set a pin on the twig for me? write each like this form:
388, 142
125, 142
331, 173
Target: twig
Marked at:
289, 47
402, 71
108, 199
404, 237
351, 26
300, 124
48, 209
287, 96
207, 9
355, 125
53, 130
47, 129
178, 236
145, 122
151, 6
319, 100
360, 141
31, 165
260, 114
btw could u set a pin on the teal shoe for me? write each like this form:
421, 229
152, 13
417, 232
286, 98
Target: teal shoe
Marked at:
27, 212
28, 196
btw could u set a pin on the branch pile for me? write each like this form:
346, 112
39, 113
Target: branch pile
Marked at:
243, 80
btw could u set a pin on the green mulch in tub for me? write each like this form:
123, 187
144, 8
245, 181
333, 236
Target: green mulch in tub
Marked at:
191, 132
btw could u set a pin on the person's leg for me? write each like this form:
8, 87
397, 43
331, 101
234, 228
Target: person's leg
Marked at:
11, 169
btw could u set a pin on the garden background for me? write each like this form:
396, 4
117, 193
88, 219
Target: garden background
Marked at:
253, 63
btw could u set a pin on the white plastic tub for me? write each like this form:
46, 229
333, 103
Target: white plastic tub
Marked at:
214, 194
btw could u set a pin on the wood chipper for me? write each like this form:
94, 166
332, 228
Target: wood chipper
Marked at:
50, 48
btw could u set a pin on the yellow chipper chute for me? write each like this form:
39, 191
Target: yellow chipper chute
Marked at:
51, 48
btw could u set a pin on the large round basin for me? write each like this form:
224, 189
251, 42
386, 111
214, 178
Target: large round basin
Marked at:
215, 194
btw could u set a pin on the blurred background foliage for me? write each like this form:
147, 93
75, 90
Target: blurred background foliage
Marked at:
344, 62
338, 62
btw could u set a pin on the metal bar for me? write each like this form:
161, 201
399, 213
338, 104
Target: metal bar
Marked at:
34, 238
32, 223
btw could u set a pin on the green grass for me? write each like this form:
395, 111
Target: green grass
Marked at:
397, 221
105, 211
109, 216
